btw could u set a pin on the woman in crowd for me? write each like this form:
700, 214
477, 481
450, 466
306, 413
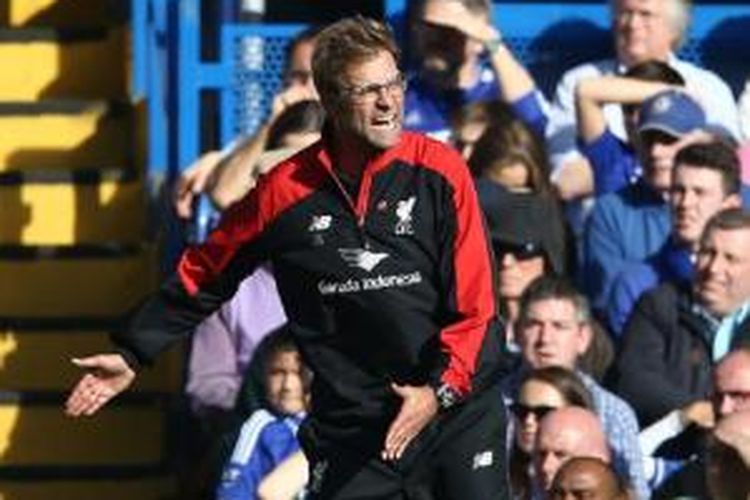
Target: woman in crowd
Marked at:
542, 391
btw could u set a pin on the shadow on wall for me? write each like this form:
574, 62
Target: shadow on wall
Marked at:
724, 50
562, 46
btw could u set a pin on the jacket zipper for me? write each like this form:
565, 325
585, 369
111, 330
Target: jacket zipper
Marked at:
359, 217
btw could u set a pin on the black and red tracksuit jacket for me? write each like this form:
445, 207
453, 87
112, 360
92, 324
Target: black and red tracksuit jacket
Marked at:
395, 286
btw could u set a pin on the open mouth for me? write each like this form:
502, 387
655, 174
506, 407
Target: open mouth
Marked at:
385, 122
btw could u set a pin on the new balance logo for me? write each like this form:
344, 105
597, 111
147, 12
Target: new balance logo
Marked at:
317, 476
320, 223
361, 258
482, 460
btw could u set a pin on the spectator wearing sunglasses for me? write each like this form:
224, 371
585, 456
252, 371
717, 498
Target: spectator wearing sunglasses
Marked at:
554, 329
541, 392
528, 239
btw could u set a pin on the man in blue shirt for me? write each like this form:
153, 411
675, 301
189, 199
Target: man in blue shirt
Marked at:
631, 224
706, 180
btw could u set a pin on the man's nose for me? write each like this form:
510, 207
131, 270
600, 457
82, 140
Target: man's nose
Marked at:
726, 405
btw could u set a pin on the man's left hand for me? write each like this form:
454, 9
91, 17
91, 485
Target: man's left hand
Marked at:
418, 408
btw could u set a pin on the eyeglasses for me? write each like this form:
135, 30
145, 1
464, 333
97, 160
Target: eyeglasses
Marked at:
521, 251
740, 398
522, 411
371, 91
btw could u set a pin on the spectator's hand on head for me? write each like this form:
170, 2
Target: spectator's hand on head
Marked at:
419, 406
107, 376
194, 181
291, 95
455, 15
700, 413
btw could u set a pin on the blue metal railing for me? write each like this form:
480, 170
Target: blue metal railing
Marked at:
547, 36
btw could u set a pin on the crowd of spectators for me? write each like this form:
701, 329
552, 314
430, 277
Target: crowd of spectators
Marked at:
622, 249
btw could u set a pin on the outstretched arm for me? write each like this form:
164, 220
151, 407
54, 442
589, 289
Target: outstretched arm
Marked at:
107, 375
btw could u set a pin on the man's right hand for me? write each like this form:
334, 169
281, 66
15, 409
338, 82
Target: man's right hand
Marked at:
107, 376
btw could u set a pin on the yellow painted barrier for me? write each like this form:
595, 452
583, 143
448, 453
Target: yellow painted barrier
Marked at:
88, 68
67, 214
61, 287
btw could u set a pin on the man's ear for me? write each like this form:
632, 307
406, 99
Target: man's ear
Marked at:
732, 201
585, 337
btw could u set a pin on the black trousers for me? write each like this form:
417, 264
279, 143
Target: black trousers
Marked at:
459, 456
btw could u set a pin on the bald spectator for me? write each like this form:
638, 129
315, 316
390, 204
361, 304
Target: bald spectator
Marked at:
643, 30
731, 394
676, 334
732, 383
555, 329
564, 434
705, 180
587, 478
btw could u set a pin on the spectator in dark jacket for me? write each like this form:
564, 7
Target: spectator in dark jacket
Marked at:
677, 333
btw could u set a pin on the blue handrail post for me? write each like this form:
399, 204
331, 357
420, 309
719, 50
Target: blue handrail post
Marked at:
139, 15
188, 61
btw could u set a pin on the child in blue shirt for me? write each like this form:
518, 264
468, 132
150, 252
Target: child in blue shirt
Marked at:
269, 435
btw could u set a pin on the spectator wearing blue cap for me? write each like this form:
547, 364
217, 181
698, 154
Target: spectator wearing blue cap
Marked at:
613, 160
631, 224
642, 30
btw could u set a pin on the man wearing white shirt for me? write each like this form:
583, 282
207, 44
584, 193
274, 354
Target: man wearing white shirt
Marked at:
643, 30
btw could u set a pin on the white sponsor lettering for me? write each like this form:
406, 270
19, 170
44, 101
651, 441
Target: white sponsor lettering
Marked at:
379, 282
320, 223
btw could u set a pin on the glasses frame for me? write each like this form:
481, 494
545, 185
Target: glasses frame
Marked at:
371, 92
522, 411
518, 251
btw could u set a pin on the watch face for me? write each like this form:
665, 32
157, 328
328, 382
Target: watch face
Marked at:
446, 396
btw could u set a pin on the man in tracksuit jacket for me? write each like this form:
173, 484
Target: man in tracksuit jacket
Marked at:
384, 269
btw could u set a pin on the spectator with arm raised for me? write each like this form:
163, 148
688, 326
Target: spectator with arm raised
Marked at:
643, 30
614, 161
